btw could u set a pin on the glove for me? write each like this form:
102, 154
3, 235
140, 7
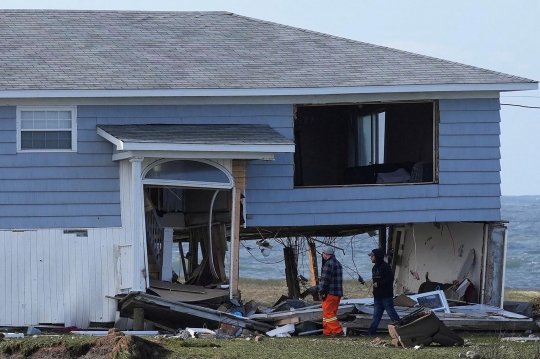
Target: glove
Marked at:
323, 294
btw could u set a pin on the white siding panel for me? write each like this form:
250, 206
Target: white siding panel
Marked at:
20, 278
66, 275
57, 307
71, 289
48, 276
95, 271
10, 267
31, 308
84, 286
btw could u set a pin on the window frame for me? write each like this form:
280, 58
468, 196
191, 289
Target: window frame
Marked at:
383, 108
72, 109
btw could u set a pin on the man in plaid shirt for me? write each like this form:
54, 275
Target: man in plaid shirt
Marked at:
331, 289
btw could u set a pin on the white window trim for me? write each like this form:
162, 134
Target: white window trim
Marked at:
73, 110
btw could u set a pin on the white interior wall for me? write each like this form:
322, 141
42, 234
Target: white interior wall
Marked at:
440, 252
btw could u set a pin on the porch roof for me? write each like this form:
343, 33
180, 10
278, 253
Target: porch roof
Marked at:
225, 141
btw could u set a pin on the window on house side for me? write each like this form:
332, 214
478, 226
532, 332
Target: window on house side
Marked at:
370, 139
46, 129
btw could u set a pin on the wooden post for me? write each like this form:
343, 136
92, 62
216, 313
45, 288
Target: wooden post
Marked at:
239, 175
183, 259
291, 272
382, 239
193, 252
138, 319
313, 268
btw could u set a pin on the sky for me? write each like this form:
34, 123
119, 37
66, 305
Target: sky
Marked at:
494, 34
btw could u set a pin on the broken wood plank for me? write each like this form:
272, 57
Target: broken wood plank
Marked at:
363, 321
305, 314
167, 311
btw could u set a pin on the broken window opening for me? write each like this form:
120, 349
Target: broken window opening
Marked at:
364, 144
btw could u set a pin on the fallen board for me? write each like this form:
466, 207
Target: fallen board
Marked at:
363, 321
312, 314
172, 314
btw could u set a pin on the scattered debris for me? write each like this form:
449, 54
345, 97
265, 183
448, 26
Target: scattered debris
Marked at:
522, 339
430, 315
283, 331
422, 328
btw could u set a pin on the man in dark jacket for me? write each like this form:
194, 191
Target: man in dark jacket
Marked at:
331, 289
383, 290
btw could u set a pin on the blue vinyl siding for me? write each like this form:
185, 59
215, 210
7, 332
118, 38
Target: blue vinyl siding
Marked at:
468, 188
56, 190
81, 190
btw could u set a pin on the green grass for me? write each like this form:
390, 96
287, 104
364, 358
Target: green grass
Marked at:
75, 344
349, 347
296, 347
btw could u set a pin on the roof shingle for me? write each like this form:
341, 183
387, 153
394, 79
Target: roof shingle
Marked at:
135, 50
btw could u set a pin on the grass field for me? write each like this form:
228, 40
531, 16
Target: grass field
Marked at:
489, 346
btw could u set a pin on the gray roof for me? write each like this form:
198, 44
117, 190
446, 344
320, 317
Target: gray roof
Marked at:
135, 50
197, 134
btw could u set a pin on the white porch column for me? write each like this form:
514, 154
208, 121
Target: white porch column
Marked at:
137, 230
239, 174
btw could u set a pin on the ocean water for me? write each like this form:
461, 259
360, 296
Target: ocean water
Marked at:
522, 256
523, 244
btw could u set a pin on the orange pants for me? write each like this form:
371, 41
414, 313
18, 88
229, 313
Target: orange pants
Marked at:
329, 308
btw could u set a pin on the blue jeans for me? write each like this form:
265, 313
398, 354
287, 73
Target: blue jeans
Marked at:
382, 304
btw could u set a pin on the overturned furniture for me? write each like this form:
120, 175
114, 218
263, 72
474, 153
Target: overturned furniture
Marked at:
422, 328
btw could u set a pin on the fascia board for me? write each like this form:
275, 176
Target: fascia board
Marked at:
115, 141
265, 156
245, 100
273, 148
263, 92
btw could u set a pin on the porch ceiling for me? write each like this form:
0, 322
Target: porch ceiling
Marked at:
223, 141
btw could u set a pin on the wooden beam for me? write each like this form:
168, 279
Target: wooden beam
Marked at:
183, 260
313, 268
382, 239
138, 319
291, 272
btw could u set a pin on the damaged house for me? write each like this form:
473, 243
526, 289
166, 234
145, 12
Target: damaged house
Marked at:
125, 133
